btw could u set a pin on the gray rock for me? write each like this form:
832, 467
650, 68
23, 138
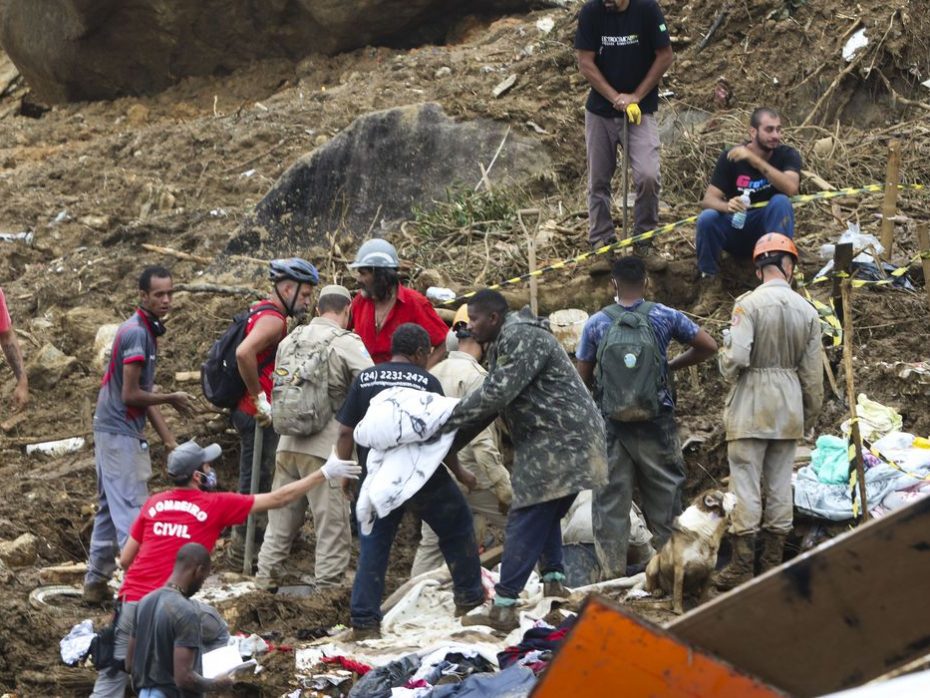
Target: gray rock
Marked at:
383, 164
21, 552
48, 367
70, 50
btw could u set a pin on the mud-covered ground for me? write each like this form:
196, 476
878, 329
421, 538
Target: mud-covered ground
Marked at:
96, 181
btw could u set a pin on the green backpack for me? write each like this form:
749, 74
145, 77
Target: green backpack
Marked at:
300, 402
628, 373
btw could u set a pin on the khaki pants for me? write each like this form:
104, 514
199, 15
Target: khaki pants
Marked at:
330, 511
483, 505
761, 467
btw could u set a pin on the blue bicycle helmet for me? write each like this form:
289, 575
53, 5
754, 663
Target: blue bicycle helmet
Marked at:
294, 268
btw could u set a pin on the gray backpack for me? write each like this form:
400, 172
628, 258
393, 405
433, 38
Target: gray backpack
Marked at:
628, 374
300, 403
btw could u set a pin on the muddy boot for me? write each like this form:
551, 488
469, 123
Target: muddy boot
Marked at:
553, 586
602, 263
462, 609
773, 550
710, 295
646, 250
96, 592
741, 564
502, 616
372, 633
235, 548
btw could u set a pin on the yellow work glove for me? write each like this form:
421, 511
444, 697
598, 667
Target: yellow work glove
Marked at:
634, 114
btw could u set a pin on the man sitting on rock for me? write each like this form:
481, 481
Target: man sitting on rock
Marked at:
766, 170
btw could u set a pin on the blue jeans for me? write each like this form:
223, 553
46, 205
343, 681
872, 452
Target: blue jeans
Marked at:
443, 508
715, 232
534, 534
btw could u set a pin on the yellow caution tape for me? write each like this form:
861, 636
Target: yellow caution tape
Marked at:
661, 230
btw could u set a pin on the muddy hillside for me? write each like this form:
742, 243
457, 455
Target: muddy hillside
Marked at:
104, 187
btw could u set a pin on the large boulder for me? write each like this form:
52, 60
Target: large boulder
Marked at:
382, 165
100, 49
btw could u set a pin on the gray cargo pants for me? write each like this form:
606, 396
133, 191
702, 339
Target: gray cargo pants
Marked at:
762, 467
123, 471
603, 137
644, 455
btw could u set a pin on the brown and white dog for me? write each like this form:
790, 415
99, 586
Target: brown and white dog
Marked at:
688, 558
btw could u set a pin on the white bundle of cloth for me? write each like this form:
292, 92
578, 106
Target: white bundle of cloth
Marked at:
400, 429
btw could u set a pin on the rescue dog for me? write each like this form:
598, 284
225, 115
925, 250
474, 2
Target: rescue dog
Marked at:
688, 558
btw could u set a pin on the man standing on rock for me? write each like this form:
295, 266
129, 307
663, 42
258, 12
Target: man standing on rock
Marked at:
558, 438
623, 355
293, 280
773, 355
384, 304
461, 373
764, 169
300, 456
439, 502
14, 357
190, 511
125, 400
623, 50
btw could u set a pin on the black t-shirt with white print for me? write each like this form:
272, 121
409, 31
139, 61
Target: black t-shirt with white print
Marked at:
624, 45
372, 381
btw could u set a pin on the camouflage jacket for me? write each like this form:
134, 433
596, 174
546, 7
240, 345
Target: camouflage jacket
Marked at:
557, 430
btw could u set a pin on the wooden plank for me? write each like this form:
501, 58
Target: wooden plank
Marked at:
855, 435
923, 241
842, 264
890, 202
842, 614
612, 652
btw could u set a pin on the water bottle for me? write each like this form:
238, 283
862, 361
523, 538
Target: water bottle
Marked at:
739, 218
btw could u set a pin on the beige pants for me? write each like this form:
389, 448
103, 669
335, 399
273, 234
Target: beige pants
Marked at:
330, 511
483, 505
761, 468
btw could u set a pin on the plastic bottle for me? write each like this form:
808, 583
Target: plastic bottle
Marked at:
739, 218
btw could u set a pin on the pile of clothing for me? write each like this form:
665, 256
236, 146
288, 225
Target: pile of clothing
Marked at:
897, 468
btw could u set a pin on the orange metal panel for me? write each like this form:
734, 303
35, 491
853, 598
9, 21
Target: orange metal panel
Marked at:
610, 652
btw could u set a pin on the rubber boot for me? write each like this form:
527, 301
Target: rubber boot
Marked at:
740, 569
773, 550
710, 295
553, 585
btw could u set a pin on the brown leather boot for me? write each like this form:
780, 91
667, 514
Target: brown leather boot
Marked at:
710, 295
773, 550
740, 568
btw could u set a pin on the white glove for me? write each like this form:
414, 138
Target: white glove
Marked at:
262, 409
336, 467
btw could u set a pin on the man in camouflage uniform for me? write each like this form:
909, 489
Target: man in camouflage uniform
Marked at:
558, 437
460, 373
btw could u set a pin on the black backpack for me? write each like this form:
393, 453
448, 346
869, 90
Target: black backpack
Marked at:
219, 375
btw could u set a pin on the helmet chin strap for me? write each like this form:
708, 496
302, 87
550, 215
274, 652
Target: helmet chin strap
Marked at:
288, 307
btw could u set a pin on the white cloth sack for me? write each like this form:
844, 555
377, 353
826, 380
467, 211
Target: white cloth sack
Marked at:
400, 428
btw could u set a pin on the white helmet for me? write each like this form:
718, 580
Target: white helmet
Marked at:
376, 253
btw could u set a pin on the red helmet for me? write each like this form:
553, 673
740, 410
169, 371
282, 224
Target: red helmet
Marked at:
772, 244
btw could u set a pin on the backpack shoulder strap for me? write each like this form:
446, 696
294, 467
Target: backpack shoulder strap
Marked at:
614, 312
644, 308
